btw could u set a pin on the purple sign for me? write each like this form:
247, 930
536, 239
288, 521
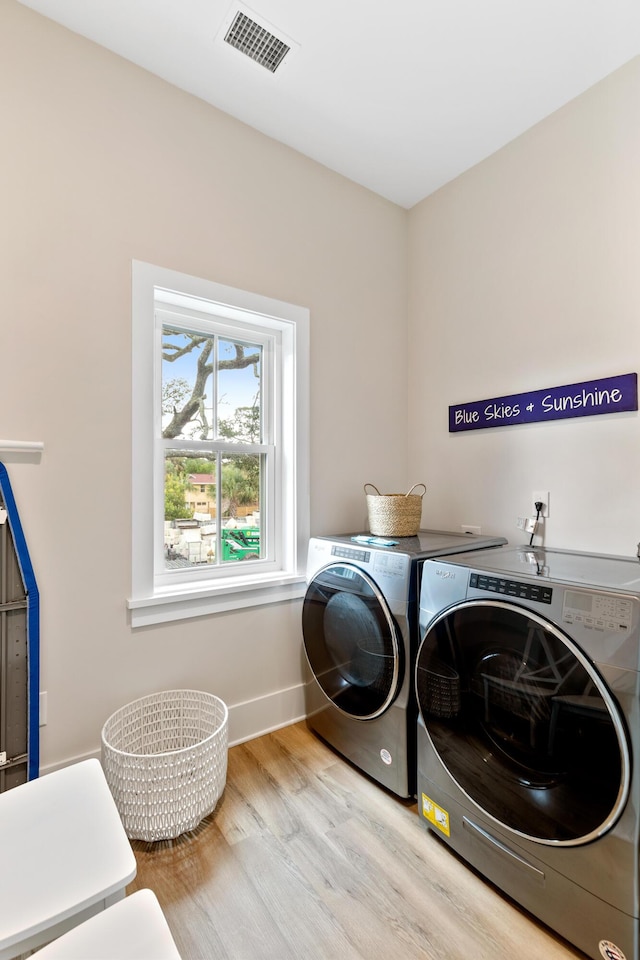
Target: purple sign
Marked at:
610, 395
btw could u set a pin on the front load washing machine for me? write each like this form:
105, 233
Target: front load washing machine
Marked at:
528, 681
360, 629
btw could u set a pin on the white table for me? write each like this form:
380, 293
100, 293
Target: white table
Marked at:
133, 929
64, 855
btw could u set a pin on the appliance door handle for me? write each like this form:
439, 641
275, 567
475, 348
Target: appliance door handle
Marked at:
482, 835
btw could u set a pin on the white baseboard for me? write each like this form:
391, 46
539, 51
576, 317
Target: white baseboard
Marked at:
52, 767
253, 718
247, 720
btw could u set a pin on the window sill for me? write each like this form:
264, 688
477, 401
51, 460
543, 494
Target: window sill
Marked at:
180, 603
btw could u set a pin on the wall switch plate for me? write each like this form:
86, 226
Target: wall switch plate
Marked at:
543, 497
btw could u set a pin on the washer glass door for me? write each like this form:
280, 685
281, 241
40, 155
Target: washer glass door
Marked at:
351, 641
523, 722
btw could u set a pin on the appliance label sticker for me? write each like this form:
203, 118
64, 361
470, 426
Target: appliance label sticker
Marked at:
435, 815
588, 399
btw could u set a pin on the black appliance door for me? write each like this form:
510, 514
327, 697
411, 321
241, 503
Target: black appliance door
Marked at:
523, 722
351, 641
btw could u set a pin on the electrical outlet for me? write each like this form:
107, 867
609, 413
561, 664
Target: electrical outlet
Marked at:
541, 496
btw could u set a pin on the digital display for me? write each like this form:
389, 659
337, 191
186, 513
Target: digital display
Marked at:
579, 601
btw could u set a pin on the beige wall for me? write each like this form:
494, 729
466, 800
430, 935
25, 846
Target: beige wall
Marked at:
102, 163
524, 274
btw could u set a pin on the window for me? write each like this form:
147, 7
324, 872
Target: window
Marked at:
220, 447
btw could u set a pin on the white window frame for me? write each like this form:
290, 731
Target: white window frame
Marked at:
156, 597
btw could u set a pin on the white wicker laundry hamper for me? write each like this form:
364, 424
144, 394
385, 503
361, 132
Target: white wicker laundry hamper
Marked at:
165, 760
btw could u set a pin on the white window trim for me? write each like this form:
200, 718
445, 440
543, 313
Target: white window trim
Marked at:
150, 602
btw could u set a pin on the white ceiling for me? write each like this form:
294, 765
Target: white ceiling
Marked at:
400, 96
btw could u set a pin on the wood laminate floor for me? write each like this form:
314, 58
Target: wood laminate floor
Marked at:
306, 859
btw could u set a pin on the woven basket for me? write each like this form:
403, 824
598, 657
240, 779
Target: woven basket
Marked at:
394, 514
165, 760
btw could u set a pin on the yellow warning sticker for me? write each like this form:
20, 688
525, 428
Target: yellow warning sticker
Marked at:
435, 814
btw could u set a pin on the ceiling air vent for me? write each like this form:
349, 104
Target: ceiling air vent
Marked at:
256, 42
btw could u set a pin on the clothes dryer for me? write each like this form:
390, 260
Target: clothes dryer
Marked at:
360, 630
528, 682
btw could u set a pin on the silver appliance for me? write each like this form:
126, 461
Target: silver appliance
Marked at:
527, 681
360, 629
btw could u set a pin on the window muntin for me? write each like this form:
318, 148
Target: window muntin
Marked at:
267, 439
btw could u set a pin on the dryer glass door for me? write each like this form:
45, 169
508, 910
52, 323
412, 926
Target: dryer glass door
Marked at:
351, 641
523, 722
